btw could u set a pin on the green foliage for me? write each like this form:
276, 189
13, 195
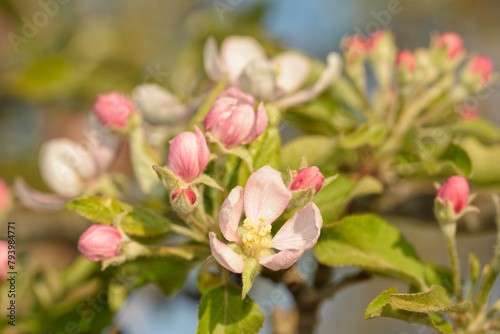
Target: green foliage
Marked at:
103, 210
367, 134
382, 306
222, 311
319, 151
369, 242
142, 222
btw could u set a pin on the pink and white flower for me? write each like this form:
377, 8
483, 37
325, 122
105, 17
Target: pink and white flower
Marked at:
264, 199
245, 62
232, 119
188, 155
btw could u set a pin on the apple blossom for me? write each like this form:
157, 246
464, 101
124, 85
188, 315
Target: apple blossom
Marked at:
100, 242
232, 119
264, 199
456, 192
188, 155
405, 61
452, 43
113, 110
308, 178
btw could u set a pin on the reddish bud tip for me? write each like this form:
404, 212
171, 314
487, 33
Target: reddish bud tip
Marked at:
452, 42
406, 61
308, 178
482, 66
113, 110
456, 191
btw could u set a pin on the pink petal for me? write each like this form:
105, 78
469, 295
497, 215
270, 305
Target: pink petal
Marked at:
235, 93
203, 151
265, 195
260, 124
282, 260
302, 229
237, 51
230, 214
225, 255
293, 70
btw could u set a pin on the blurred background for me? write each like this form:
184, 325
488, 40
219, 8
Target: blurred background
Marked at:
56, 56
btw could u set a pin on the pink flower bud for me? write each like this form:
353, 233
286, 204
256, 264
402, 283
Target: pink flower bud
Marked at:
406, 61
452, 42
354, 47
233, 120
374, 40
468, 113
456, 191
113, 110
190, 195
4, 260
188, 155
482, 66
308, 178
4, 197
100, 242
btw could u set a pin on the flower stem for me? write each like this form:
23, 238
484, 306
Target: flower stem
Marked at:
449, 231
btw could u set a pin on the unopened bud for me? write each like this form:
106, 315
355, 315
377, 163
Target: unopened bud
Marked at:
100, 242
183, 200
113, 110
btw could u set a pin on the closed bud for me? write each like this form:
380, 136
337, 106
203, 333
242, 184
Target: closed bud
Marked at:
188, 155
308, 178
405, 61
4, 260
452, 44
468, 113
113, 110
183, 200
100, 242
452, 199
381, 45
355, 48
477, 73
232, 120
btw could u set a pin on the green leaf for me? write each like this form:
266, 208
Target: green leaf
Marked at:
459, 158
208, 281
334, 197
169, 273
479, 128
143, 158
222, 311
265, 150
252, 268
485, 161
142, 222
103, 210
434, 300
209, 102
208, 181
367, 134
369, 242
168, 178
383, 307
435, 274
319, 150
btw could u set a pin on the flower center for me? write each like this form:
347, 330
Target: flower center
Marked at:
256, 236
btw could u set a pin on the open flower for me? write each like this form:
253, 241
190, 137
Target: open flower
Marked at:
265, 198
245, 62
233, 120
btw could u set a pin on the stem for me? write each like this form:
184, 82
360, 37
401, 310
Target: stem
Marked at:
449, 230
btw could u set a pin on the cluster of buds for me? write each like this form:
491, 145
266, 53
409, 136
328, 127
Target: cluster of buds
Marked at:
452, 200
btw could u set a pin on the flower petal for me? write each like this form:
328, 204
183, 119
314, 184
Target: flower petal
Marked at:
259, 79
260, 124
211, 60
36, 200
302, 229
282, 260
237, 51
265, 195
293, 69
230, 214
225, 255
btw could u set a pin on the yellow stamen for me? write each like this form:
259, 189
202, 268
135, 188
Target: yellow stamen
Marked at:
256, 236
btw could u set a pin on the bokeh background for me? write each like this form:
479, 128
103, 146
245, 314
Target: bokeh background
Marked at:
56, 56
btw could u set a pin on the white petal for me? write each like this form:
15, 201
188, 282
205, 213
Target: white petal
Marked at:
302, 229
293, 70
259, 79
282, 260
225, 255
211, 60
158, 105
230, 214
237, 52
